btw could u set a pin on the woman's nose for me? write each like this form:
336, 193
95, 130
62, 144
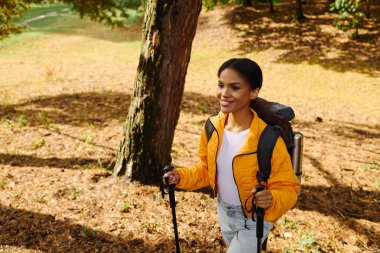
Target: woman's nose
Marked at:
225, 92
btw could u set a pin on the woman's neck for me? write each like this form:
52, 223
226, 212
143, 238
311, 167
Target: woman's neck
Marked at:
239, 121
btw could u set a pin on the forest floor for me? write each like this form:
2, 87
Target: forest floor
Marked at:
65, 88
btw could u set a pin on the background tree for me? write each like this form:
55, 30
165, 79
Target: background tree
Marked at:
271, 7
110, 12
10, 10
368, 8
247, 2
299, 11
350, 15
168, 32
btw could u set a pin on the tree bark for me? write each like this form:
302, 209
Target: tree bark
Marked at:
168, 32
247, 3
368, 9
271, 7
299, 11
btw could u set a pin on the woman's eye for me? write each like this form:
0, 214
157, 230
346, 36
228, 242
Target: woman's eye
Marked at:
220, 85
235, 88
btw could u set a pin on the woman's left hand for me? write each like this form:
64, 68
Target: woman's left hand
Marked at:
263, 198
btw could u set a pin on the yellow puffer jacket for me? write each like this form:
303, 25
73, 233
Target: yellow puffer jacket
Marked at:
282, 182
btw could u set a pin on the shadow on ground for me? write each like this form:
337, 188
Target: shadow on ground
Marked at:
22, 228
197, 103
91, 108
53, 162
346, 205
314, 41
79, 109
341, 202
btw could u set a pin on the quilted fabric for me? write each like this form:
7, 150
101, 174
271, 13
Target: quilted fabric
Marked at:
282, 183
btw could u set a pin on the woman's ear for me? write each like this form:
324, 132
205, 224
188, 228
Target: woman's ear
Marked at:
254, 93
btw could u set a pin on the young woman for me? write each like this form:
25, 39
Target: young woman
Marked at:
228, 160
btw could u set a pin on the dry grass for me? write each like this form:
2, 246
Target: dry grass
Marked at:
65, 90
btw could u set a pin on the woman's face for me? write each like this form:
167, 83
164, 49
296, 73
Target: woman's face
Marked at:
234, 92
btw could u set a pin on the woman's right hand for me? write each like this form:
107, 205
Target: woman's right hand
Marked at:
173, 176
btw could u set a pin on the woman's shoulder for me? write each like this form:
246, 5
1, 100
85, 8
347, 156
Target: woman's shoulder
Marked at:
217, 116
258, 122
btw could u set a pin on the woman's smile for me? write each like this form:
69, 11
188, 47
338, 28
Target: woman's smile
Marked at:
225, 103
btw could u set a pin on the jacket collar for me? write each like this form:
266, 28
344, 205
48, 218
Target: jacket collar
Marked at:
250, 145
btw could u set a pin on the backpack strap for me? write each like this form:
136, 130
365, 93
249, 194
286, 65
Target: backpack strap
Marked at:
209, 129
267, 141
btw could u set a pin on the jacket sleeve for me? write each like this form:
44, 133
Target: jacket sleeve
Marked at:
282, 183
196, 177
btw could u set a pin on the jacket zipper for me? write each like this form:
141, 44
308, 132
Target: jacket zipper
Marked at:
233, 173
216, 165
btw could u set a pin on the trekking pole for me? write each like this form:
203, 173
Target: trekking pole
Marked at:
259, 220
172, 204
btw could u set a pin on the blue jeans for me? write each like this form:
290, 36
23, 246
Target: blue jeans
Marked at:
238, 232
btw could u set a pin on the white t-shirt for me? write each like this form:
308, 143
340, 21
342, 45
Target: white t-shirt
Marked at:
231, 144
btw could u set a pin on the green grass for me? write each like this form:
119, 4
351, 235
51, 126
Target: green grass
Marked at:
125, 208
44, 21
58, 18
38, 10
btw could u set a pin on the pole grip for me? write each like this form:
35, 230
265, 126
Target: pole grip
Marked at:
170, 186
259, 215
162, 186
168, 168
259, 188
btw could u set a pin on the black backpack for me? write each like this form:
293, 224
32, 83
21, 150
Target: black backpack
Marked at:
277, 117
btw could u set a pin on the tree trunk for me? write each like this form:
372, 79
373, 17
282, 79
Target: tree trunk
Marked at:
328, 6
368, 9
299, 12
271, 7
168, 32
247, 3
